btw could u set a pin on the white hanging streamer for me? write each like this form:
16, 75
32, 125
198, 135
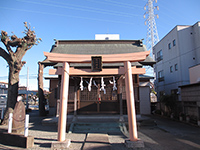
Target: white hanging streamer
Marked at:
89, 84
114, 84
95, 84
103, 86
81, 84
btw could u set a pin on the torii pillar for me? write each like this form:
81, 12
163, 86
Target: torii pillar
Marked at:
133, 142
63, 103
130, 102
62, 121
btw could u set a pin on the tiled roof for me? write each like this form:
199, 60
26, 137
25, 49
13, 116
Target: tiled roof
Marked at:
98, 47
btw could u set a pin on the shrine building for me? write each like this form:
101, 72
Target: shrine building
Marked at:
99, 88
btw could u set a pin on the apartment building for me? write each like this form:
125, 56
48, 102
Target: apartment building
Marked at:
178, 51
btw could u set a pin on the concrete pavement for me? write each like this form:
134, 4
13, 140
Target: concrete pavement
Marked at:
170, 134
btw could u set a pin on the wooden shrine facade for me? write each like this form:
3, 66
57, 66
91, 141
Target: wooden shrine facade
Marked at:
85, 98
95, 101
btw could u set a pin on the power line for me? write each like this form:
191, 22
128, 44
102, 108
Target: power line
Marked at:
120, 3
72, 16
174, 11
24, 76
114, 4
82, 8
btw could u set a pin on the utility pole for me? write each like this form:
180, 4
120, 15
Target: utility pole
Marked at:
152, 33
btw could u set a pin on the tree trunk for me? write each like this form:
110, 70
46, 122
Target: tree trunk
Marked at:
12, 92
42, 100
13, 59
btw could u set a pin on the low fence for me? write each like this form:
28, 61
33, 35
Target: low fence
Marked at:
10, 122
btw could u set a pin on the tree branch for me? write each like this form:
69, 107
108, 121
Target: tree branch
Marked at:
21, 44
15, 41
5, 55
5, 40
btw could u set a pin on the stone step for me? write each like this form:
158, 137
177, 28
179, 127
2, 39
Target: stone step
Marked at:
97, 141
96, 127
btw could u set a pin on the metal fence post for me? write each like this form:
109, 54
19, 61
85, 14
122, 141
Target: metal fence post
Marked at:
26, 126
10, 122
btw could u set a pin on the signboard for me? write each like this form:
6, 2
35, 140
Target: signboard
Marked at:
96, 63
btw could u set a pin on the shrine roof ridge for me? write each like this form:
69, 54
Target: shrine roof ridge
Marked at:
135, 42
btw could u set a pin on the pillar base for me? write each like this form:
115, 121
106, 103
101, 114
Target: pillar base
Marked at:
55, 145
198, 123
134, 144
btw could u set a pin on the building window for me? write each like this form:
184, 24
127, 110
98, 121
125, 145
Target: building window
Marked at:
174, 42
171, 68
176, 67
160, 76
159, 56
169, 46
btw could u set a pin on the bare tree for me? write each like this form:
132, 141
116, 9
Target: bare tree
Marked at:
15, 63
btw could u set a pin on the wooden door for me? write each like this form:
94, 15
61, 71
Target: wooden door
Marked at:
96, 102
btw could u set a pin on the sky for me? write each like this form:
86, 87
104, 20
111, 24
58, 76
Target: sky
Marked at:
81, 20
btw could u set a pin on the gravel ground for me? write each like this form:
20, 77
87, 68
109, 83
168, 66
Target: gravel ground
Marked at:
45, 134
164, 135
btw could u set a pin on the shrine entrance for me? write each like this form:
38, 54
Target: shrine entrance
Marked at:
96, 101
127, 71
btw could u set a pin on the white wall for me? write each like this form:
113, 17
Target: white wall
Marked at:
145, 104
169, 59
185, 54
196, 34
106, 36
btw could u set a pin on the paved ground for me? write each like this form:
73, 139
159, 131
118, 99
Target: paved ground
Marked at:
171, 135
164, 135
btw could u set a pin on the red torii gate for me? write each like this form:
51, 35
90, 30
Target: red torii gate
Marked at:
126, 58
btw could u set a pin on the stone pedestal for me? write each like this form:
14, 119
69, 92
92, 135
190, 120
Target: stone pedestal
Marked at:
57, 145
139, 144
180, 118
187, 119
14, 139
198, 122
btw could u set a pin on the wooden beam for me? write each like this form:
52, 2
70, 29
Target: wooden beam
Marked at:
106, 58
111, 71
